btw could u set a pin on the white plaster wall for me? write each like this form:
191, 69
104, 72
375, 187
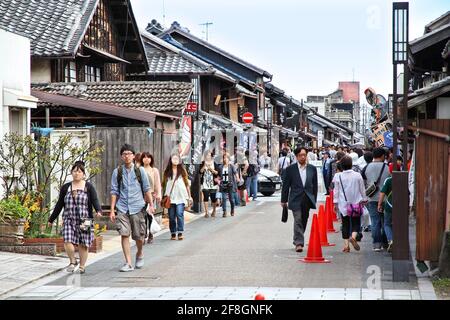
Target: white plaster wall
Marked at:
15, 62
40, 71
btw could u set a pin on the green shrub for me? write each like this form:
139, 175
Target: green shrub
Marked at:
12, 209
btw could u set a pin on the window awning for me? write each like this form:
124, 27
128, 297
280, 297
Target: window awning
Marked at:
16, 98
221, 122
108, 56
289, 132
245, 92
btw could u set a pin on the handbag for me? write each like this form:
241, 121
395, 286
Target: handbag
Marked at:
85, 223
373, 188
354, 210
165, 201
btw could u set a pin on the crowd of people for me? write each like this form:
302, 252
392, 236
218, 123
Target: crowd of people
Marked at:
360, 180
362, 186
138, 189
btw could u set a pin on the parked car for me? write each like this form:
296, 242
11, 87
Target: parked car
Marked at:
268, 182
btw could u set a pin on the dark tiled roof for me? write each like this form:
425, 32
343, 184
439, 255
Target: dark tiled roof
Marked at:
54, 27
162, 62
158, 96
184, 32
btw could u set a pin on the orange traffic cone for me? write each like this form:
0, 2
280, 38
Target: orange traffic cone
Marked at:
334, 213
314, 254
323, 228
329, 215
260, 296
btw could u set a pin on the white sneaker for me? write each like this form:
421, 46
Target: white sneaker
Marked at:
139, 263
126, 268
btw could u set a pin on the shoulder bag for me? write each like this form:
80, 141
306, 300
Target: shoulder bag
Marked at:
354, 210
373, 188
165, 201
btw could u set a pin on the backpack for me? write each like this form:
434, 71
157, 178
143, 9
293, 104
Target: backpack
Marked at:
253, 169
137, 172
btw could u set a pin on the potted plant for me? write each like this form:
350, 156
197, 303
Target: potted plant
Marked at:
97, 245
12, 221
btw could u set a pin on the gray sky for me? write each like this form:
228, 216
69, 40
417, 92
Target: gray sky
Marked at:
308, 46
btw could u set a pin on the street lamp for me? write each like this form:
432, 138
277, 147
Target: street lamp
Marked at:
400, 201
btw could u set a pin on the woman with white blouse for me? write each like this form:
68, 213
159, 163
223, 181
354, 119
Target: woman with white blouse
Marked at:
176, 186
349, 199
148, 162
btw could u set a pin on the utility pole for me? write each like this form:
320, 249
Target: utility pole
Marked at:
206, 24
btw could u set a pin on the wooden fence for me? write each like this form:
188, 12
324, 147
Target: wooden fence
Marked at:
152, 140
431, 189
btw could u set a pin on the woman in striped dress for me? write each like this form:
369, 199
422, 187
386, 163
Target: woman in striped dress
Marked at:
78, 198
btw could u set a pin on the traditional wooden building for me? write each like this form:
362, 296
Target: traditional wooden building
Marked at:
429, 117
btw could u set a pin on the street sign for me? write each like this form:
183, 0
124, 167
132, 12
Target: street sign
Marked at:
191, 109
319, 138
247, 117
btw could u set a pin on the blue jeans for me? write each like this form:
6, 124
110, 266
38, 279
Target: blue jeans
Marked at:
176, 218
227, 196
236, 199
252, 186
375, 219
388, 225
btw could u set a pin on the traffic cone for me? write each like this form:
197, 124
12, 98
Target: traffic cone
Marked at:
329, 217
314, 254
260, 296
334, 213
323, 228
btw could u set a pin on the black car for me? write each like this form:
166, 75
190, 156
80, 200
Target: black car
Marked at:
268, 182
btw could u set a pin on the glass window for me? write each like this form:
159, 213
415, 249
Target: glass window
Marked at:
70, 72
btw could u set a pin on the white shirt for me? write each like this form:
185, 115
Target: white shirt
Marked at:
179, 194
312, 156
225, 176
286, 164
354, 189
302, 171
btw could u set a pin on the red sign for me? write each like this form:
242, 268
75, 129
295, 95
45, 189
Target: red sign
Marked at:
247, 117
191, 109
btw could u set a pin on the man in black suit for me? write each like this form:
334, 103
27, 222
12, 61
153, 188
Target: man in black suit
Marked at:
299, 193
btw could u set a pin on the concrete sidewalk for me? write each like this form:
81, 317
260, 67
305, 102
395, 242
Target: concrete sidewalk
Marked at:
20, 270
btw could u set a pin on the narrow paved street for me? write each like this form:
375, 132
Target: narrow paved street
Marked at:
235, 257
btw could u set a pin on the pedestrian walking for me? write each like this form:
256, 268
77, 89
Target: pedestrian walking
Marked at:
349, 200
154, 179
228, 183
326, 171
252, 174
176, 187
283, 162
299, 193
77, 198
385, 207
130, 194
375, 172
208, 174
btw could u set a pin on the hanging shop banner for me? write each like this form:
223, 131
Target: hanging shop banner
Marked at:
319, 138
185, 141
379, 130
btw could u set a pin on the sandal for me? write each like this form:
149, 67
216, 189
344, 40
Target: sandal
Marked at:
82, 270
71, 267
354, 244
346, 249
